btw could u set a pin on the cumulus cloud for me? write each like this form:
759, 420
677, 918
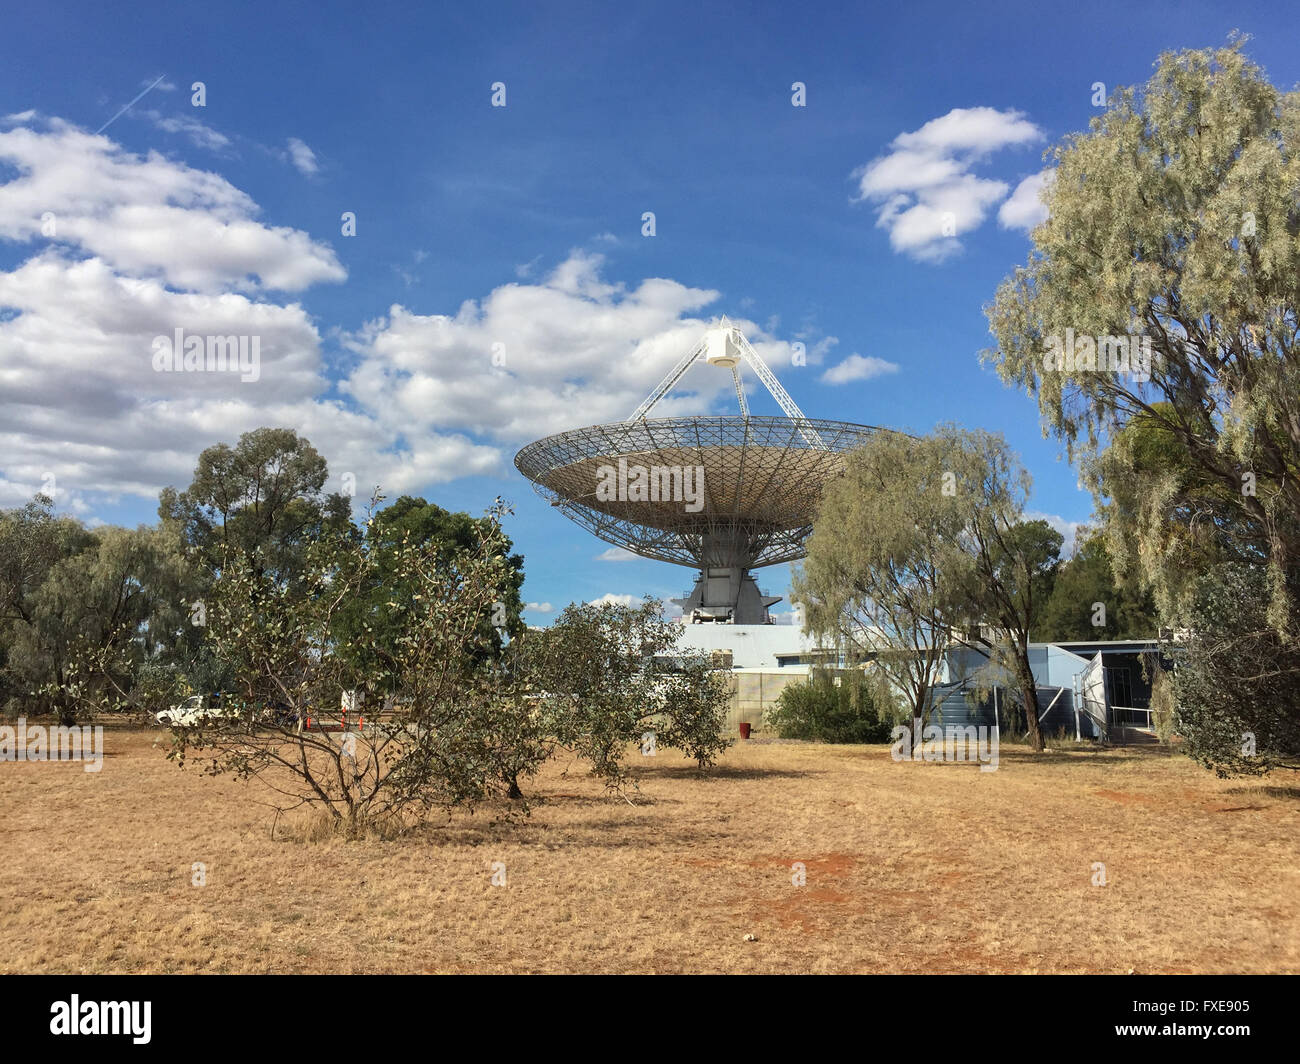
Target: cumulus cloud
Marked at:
925, 194
149, 216
81, 402
611, 599
531, 359
1025, 208
858, 368
141, 246
302, 157
539, 607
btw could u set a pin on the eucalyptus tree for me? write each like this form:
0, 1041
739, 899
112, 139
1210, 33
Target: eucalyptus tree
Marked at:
258, 504
872, 580
1155, 322
923, 544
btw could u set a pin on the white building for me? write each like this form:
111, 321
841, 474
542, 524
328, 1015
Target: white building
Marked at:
752, 646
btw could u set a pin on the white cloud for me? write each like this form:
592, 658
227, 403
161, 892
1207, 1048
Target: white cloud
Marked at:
302, 157
539, 607
925, 193
616, 554
203, 136
610, 599
531, 359
146, 245
1024, 209
149, 217
79, 397
858, 368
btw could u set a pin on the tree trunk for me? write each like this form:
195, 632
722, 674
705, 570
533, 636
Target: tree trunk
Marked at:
1029, 692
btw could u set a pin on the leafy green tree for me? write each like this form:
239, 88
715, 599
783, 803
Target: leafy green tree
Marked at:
261, 502
437, 739
33, 541
607, 674
1084, 581
1229, 648
85, 610
1174, 225
258, 505
872, 581
922, 542
374, 629
114, 606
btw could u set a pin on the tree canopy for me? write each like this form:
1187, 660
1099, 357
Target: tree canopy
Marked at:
1174, 228
922, 543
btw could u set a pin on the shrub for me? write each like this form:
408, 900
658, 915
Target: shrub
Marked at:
833, 707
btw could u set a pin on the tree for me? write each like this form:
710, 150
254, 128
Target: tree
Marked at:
82, 612
1174, 231
258, 505
872, 580
454, 718
375, 631
32, 542
78, 637
607, 674
111, 610
422, 744
1015, 563
1230, 648
261, 502
922, 542
1084, 582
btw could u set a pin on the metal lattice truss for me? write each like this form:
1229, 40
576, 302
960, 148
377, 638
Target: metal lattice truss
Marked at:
731, 344
761, 479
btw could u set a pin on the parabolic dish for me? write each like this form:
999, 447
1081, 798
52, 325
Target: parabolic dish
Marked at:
762, 479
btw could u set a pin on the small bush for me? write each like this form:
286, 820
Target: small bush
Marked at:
854, 711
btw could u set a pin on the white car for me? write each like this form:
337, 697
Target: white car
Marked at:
192, 711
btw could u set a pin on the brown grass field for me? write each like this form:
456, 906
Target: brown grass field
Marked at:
910, 868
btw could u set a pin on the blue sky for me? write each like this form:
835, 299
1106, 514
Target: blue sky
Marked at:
522, 226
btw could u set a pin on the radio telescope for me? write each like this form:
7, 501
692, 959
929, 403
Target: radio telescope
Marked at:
723, 495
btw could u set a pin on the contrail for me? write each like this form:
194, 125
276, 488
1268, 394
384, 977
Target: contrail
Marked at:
126, 108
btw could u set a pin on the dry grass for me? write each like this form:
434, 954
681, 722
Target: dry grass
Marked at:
910, 867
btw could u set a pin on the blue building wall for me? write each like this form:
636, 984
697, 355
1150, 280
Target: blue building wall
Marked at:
1054, 669
959, 705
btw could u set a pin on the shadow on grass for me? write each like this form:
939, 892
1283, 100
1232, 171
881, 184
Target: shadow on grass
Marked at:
1289, 794
1099, 756
719, 773
606, 832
